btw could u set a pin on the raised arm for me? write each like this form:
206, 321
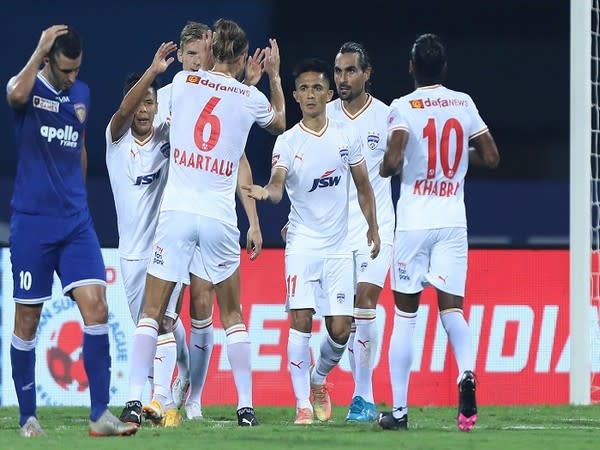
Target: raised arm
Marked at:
19, 87
366, 201
272, 191
271, 65
254, 238
393, 159
122, 119
485, 153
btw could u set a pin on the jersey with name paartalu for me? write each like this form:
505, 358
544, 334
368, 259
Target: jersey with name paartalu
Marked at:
440, 123
138, 174
49, 133
317, 181
211, 116
371, 123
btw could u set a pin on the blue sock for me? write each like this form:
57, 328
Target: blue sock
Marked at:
23, 374
96, 360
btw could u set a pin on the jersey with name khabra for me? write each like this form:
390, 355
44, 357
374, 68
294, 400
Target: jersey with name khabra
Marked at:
371, 123
138, 173
211, 115
317, 182
49, 133
440, 123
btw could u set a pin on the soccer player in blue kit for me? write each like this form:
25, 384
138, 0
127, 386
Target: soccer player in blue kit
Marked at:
51, 228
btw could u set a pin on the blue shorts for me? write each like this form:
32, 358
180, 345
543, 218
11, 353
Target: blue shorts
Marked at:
41, 245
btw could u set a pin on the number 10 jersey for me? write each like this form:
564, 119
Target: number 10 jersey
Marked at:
440, 123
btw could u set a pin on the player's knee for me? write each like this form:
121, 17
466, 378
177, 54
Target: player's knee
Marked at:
95, 311
26, 326
339, 329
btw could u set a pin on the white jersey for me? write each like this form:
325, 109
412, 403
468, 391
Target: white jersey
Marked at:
440, 123
211, 116
371, 123
163, 98
138, 174
318, 175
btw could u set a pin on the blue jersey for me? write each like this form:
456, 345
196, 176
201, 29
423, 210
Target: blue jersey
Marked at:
49, 132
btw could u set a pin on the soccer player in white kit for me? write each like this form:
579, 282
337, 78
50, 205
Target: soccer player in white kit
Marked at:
211, 116
136, 157
434, 133
194, 53
352, 73
315, 161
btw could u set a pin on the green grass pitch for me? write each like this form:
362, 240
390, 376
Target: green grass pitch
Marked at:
502, 428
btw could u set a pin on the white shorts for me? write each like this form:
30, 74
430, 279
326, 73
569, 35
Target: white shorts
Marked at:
322, 284
373, 271
437, 257
134, 281
180, 235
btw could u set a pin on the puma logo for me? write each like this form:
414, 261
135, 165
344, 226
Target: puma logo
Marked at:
443, 278
201, 347
363, 343
27, 387
159, 358
297, 365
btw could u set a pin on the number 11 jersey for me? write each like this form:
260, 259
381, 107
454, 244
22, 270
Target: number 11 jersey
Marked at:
440, 123
211, 116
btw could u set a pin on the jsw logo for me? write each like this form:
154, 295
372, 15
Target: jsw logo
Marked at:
325, 180
67, 136
147, 179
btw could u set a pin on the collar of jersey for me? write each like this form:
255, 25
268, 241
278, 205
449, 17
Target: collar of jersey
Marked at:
360, 111
433, 86
47, 83
319, 133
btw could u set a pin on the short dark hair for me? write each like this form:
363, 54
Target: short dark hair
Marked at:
428, 55
133, 78
69, 44
363, 57
312, 65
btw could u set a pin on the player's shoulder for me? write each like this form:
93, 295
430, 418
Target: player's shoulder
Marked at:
334, 106
164, 89
80, 88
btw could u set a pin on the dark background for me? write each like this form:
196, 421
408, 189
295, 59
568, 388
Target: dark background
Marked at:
511, 56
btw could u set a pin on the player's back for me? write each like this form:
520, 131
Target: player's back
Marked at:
371, 124
49, 133
163, 98
318, 175
211, 116
440, 123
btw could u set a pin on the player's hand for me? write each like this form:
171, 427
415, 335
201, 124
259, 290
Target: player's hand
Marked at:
254, 242
48, 37
256, 192
374, 242
162, 60
272, 59
254, 67
208, 60
284, 231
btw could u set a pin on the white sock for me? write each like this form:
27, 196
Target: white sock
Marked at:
183, 353
142, 356
331, 353
460, 338
164, 366
202, 339
351, 339
365, 347
238, 353
298, 365
400, 356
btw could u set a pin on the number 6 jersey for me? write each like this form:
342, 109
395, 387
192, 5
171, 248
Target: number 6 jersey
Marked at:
440, 123
211, 116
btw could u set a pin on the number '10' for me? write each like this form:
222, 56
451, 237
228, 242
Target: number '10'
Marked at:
430, 133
